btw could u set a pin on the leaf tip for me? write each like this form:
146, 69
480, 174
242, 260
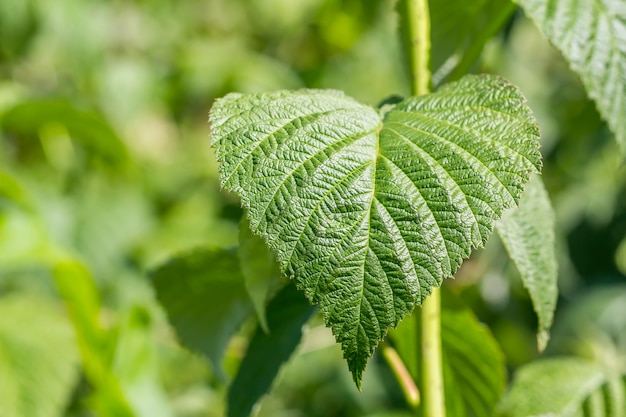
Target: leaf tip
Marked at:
357, 376
542, 340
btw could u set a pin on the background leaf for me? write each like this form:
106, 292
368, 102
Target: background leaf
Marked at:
473, 365
564, 387
205, 299
136, 364
260, 270
459, 31
38, 358
592, 36
267, 352
38, 120
368, 215
529, 237
594, 326
95, 343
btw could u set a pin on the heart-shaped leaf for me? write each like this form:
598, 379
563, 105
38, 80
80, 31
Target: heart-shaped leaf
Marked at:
368, 212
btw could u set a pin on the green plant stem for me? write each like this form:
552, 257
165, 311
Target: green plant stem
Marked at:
431, 361
431, 369
419, 35
402, 374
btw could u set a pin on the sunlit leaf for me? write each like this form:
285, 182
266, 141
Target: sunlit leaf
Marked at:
367, 212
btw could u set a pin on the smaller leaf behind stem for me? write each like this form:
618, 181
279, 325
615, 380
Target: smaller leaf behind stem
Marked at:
261, 273
267, 352
473, 364
529, 237
204, 296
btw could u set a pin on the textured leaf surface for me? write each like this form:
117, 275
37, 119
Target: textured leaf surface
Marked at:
564, 387
528, 235
205, 299
260, 271
287, 314
368, 213
591, 34
473, 365
38, 358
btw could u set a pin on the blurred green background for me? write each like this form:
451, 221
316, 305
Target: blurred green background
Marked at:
105, 161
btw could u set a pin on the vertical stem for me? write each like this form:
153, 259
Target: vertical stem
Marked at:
419, 31
431, 363
418, 19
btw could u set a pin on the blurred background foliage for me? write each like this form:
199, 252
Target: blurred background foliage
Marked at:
106, 171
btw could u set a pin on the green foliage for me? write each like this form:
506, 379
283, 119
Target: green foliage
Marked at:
459, 32
591, 382
592, 37
473, 365
52, 121
594, 327
260, 271
528, 235
16, 27
95, 343
565, 387
38, 358
368, 213
205, 299
268, 351
90, 90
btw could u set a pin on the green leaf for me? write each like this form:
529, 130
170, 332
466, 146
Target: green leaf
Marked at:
80, 294
591, 35
32, 120
38, 358
205, 299
260, 270
473, 365
137, 363
287, 314
368, 214
12, 191
594, 324
459, 31
528, 235
564, 387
